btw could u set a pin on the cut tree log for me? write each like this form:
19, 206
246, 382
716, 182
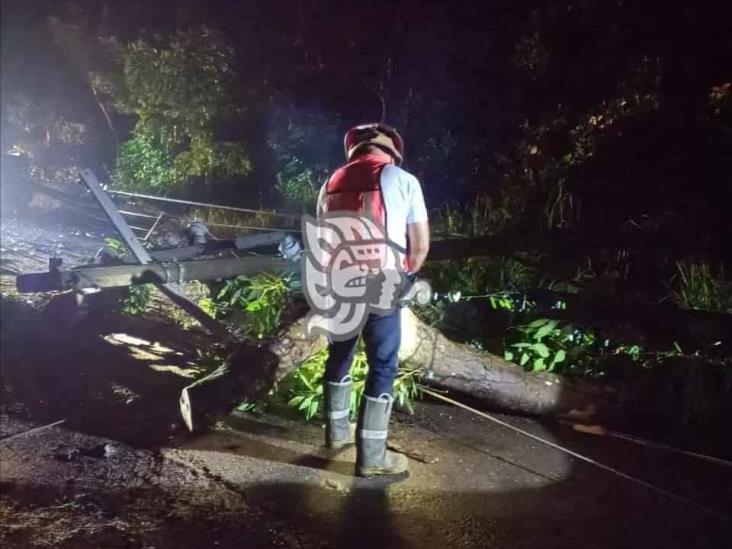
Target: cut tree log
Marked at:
252, 369
493, 381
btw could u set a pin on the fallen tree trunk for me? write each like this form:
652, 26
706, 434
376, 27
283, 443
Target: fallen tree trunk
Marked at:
252, 369
493, 381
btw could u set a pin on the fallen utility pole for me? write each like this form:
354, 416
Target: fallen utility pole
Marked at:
166, 268
165, 272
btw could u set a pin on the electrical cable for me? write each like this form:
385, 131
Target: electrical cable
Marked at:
204, 204
647, 485
31, 431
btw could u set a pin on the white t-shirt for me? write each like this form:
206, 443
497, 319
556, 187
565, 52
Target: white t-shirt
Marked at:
403, 201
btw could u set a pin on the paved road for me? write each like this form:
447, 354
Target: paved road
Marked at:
267, 480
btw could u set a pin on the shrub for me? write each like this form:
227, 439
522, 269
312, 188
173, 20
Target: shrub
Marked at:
137, 299
548, 345
304, 387
298, 185
480, 275
263, 297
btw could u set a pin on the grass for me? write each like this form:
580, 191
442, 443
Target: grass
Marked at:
481, 218
697, 286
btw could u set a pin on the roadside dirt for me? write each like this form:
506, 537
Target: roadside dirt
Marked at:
121, 471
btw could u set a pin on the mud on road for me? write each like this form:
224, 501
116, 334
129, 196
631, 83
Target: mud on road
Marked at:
121, 471
60, 490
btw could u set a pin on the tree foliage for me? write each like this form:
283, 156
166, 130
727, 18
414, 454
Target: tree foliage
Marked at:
179, 88
302, 144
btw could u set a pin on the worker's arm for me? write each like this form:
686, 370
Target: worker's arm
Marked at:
418, 228
418, 238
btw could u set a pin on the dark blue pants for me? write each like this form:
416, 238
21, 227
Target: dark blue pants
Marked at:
381, 336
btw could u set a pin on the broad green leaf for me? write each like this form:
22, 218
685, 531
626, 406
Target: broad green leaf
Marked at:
312, 409
559, 357
546, 329
541, 349
305, 380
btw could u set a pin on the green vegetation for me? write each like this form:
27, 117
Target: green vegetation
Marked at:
262, 297
569, 348
298, 185
115, 246
304, 387
544, 345
696, 286
481, 275
137, 299
301, 144
179, 88
519, 291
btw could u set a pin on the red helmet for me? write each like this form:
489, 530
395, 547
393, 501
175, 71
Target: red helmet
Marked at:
380, 135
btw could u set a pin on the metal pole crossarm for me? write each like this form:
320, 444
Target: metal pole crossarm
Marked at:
174, 293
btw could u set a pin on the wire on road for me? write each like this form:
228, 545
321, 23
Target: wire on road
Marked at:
648, 485
31, 431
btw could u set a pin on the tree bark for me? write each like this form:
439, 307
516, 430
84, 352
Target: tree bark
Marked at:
493, 381
107, 117
484, 378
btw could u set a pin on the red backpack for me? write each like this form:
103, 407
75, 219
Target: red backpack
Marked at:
356, 187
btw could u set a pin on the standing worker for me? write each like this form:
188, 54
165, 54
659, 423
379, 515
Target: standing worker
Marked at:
373, 183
